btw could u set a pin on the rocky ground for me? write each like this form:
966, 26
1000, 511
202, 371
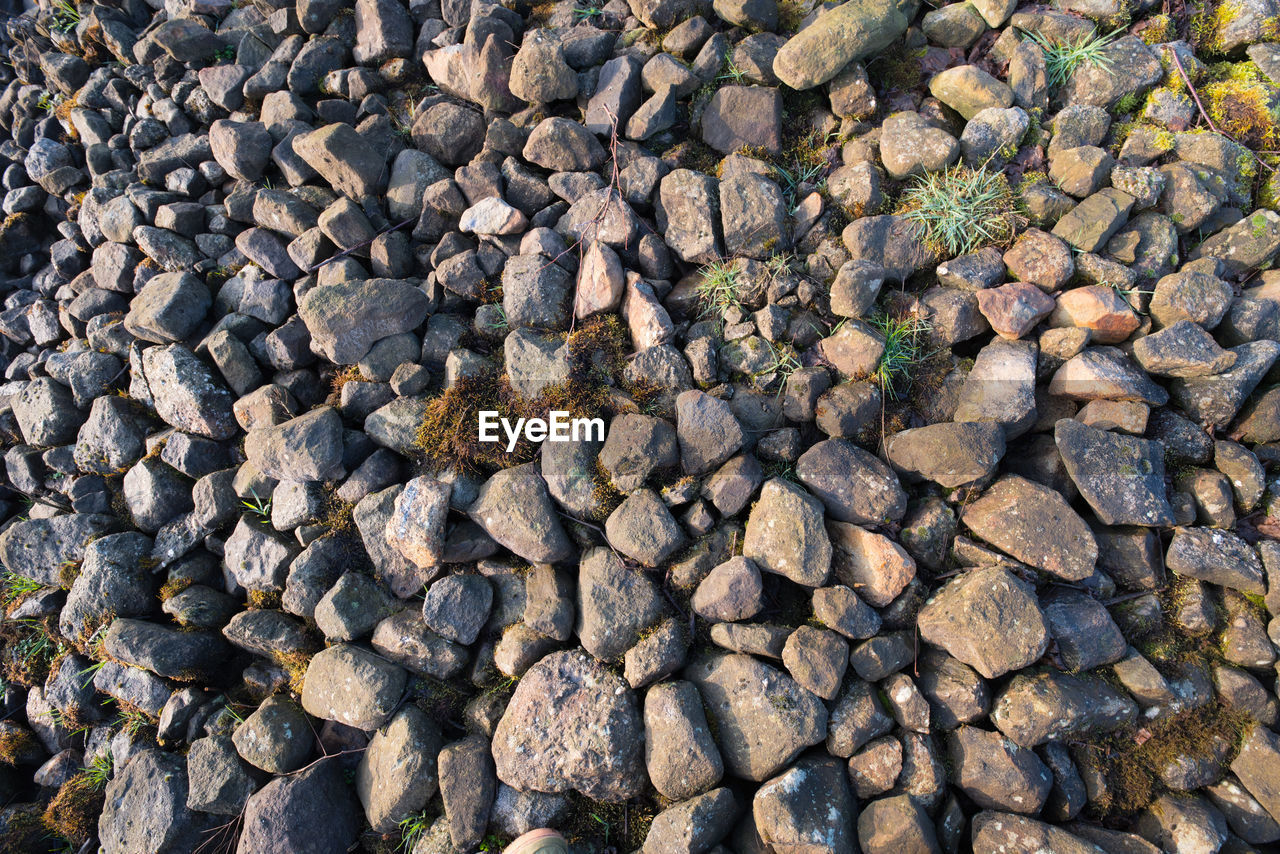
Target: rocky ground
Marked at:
938, 363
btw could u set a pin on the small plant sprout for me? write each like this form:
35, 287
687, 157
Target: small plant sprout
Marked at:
66, 15
586, 13
961, 209
733, 73
412, 829
718, 288
258, 506
99, 771
904, 339
226, 53
15, 587
784, 362
1062, 58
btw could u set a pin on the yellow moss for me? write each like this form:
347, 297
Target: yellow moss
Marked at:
15, 743
263, 600
295, 664
1243, 104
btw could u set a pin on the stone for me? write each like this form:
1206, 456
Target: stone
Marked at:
784, 534
1122, 477
571, 724
757, 739
988, 619
615, 605
351, 685
1014, 309
950, 454
743, 116
536, 533
679, 753
146, 809
313, 810
1035, 525
807, 807
416, 527
846, 33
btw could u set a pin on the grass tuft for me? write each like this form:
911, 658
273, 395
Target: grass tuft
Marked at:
962, 209
718, 288
904, 341
66, 16
260, 507
412, 829
1062, 58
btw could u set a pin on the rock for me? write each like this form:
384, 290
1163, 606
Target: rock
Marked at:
1035, 525
852, 484
708, 432
218, 781
732, 591
339, 154
539, 73
467, 789
1122, 477
1042, 707
1217, 556
753, 215
849, 32
352, 607
896, 824
1215, 400
1041, 259
950, 454
808, 807
346, 320
679, 752
37, 549
162, 650
536, 534
969, 90
562, 145
313, 810
146, 807
692, 825
1183, 349
1255, 767
688, 211
1089, 225
784, 534
416, 527
1014, 309
910, 144
996, 773
870, 563
308, 447
1250, 244
1086, 635
1190, 295
615, 605
757, 739
168, 308
987, 618
643, 529
571, 724
743, 116
1001, 387
353, 686
276, 738
1000, 831
816, 659
185, 393
457, 606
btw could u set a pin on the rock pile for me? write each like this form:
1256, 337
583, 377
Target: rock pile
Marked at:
736, 426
